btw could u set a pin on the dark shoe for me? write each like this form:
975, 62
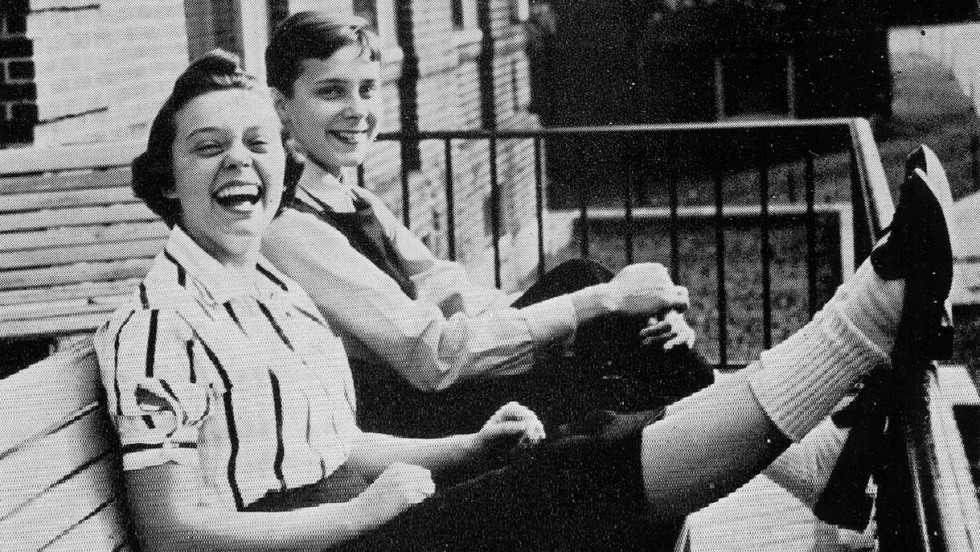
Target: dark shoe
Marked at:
918, 249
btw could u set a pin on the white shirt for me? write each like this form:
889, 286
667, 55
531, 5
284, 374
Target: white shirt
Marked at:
454, 331
238, 377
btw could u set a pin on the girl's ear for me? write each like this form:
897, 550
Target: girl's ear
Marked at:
169, 193
279, 100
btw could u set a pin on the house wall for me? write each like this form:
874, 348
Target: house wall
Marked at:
102, 69
18, 95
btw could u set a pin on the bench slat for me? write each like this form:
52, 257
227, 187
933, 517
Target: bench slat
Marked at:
86, 291
83, 235
43, 462
79, 254
64, 307
70, 198
56, 325
56, 218
61, 508
37, 400
62, 181
106, 530
81, 156
74, 274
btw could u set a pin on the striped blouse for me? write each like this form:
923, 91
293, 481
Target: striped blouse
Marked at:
240, 378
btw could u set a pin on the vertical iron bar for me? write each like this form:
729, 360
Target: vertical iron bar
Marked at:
627, 197
583, 211
811, 234
450, 202
720, 263
766, 256
539, 203
406, 214
495, 209
675, 246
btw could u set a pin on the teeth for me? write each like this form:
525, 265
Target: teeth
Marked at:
239, 196
349, 136
238, 190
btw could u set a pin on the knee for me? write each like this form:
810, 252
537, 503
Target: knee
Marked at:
583, 272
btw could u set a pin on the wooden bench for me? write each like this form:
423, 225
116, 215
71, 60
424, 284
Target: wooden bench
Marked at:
62, 491
74, 241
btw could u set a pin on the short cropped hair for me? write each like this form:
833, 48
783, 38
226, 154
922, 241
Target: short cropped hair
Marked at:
152, 171
313, 35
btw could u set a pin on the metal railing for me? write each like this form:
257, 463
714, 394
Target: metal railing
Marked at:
678, 147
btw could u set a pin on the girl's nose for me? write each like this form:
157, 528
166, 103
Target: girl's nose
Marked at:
238, 156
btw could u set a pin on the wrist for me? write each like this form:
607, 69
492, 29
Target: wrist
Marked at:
595, 301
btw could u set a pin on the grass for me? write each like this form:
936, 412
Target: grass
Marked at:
928, 107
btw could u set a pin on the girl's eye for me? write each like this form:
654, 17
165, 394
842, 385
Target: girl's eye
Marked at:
208, 149
368, 90
330, 92
260, 145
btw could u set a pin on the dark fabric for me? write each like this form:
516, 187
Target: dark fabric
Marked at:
340, 486
582, 489
610, 369
366, 235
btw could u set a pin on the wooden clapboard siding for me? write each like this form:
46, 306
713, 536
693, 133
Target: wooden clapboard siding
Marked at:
59, 459
74, 241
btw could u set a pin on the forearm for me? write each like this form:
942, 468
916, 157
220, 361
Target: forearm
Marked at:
168, 515
374, 452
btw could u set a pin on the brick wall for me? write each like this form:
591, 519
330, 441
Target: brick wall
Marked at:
18, 108
103, 67
447, 95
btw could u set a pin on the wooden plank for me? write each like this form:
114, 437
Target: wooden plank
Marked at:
38, 399
31, 470
57, 218
82, 272
58, 325
104, 532
87, 290
79, 254
49, 309
77, 180
71, 198
83, 235
63, 158
60, 509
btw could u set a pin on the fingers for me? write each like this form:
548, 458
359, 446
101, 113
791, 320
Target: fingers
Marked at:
514, 419
412, 483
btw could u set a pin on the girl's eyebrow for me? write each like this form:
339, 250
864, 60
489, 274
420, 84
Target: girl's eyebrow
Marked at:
202, 130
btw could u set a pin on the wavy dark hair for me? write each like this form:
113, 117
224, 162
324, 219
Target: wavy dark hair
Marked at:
153, 174
313, 35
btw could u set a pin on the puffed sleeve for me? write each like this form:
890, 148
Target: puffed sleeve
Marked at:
158, 391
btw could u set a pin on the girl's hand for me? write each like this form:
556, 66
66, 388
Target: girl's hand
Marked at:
669, 332
512, 422
397, 489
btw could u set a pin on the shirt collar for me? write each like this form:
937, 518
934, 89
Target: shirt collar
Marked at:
326, 188
213, 280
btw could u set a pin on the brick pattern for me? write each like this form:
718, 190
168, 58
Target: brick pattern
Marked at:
448, 97
103, 67
18, 94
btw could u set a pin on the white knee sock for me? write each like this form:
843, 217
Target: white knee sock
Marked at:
800, 380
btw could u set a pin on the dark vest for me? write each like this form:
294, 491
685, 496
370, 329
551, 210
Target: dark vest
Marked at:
365, 233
